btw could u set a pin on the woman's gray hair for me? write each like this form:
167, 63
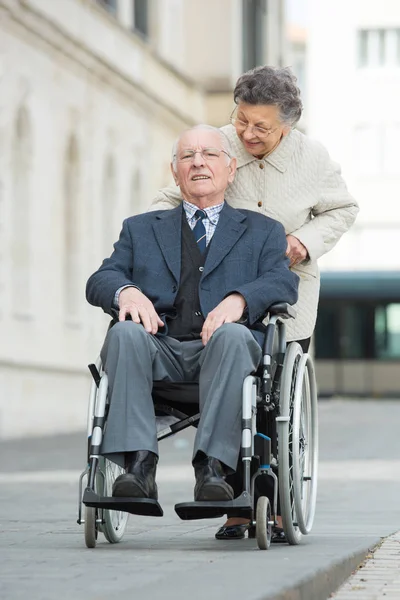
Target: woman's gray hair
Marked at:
272, 86
224, 142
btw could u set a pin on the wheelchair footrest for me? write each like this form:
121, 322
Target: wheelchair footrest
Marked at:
136, 506
240, 506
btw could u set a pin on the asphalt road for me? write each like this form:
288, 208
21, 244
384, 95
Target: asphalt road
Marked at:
42, 551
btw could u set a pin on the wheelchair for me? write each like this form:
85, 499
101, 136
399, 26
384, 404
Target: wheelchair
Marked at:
279, 447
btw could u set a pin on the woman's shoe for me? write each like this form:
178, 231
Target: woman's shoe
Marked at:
232, 532
278, 536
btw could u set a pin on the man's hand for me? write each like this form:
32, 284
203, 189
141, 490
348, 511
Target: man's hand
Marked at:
132, 302
295, 251
228, 311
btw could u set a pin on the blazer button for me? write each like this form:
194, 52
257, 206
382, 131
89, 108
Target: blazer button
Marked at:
259, 203
174, 288
261, 165
201, 269
197, 313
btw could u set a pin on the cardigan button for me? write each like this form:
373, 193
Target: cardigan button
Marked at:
261, 165
259, 203
201, 269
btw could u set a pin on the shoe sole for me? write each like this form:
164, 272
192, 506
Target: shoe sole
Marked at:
129, 489
223, 535
214, 493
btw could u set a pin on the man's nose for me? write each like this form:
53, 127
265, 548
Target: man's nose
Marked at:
198, 159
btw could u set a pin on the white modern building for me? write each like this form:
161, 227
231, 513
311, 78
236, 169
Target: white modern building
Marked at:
353, 93
353, 108
92, 95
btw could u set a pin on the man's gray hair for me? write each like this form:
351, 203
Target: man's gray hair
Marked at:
271, 86
224, 142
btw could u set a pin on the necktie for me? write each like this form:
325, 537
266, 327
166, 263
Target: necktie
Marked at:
200, 231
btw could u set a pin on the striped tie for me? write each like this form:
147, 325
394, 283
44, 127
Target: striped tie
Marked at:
200, 231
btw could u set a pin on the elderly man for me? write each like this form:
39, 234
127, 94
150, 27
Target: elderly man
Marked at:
194, 281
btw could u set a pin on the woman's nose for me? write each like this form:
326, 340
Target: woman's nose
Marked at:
248, 132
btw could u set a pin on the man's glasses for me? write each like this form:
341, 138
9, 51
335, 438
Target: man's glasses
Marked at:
206, 153
260, 132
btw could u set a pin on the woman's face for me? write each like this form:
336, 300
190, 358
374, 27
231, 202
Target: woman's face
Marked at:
259, 127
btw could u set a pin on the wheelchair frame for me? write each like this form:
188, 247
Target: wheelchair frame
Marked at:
279, 403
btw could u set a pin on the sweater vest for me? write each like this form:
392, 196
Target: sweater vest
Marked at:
189, 320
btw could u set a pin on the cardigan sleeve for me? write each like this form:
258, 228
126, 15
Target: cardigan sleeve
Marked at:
166, 198
333, 214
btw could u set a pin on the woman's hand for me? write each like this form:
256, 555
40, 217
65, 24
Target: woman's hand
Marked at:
295, 251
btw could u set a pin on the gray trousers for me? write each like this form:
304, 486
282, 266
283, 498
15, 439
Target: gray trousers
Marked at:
133, 359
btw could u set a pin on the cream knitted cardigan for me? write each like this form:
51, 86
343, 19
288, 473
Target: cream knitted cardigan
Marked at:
300, 186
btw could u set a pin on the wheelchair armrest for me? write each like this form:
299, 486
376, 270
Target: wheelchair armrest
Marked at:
281, 309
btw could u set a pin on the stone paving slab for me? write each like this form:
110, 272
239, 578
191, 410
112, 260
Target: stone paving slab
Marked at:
378, 577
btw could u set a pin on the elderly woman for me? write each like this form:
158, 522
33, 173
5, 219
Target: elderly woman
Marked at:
287, 176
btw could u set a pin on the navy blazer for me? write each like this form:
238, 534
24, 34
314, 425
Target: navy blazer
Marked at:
246, 255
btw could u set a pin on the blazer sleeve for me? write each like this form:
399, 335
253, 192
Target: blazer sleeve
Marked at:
332, 215
114, 273
166, 198
276, 282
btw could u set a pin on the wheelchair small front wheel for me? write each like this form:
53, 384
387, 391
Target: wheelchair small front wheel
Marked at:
91, 529
263, 523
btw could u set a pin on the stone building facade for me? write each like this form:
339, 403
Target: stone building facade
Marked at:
92, 95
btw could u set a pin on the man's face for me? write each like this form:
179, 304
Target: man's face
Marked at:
203, 176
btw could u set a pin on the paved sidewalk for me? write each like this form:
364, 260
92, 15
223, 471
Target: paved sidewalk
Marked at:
43, 556
378, 577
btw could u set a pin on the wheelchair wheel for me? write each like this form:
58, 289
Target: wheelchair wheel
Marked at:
305, 444
91, 528
263, 523
114, 521
285, 444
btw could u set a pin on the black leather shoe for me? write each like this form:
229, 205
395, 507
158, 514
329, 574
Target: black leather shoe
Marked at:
278, 536
210, 481
139, 480
232, 532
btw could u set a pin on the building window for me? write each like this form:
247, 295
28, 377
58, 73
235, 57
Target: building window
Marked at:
110, 5
378, 48
141, 17
72, 224
254, 27
387, 331
349, 329
21, 251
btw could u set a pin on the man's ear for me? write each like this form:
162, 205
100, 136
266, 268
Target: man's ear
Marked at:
174, 174
232, 170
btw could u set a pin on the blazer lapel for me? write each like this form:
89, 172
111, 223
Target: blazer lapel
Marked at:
231, 226
168, 233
